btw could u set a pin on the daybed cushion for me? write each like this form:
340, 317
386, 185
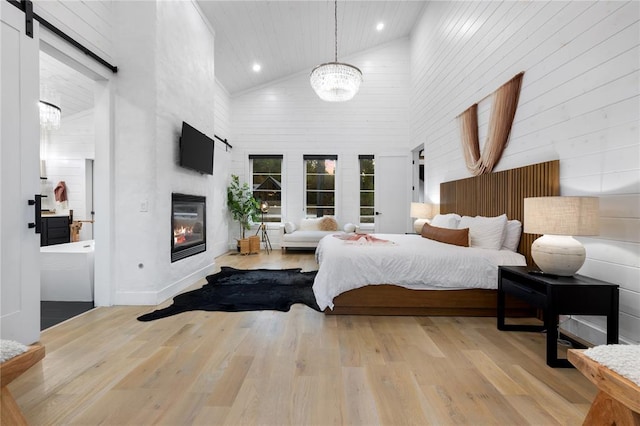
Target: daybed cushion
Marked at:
310, 224
458, 237
328, 223
305, 236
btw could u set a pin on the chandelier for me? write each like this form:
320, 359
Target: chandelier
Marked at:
49, 115
335, 81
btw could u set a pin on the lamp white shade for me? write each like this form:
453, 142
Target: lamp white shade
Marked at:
420, 210
559, 219
562, 215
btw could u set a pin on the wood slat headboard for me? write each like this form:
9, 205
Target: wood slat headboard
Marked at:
493, 194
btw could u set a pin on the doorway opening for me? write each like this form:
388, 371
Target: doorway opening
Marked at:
67, 155
418, 194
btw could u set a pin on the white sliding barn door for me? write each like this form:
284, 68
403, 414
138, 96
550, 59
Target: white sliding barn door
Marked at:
19, 174
393, 193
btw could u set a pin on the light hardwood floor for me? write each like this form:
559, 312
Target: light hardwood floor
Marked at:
294, 368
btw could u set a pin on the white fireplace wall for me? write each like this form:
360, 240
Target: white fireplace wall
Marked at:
164, 51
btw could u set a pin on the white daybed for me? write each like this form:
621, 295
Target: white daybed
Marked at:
308, 233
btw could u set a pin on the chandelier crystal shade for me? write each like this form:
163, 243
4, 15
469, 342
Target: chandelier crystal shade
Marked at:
49, 115
335, 81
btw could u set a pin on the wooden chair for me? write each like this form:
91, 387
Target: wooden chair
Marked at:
11, 369
618, 399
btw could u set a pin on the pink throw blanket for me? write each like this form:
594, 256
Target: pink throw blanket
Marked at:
361, 239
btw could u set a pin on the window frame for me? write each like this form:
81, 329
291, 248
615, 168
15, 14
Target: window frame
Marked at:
269, 216
361, 190
306, 190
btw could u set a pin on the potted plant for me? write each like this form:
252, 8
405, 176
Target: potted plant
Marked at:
243, 207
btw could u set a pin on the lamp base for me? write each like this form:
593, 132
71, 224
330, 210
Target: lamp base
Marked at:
558, 254
418, 224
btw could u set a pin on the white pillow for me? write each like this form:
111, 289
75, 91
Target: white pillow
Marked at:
349, 227
449, 220
289, 227
512, 233
311, 224
485, 232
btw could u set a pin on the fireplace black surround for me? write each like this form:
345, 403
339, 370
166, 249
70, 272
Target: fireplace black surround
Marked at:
188, 225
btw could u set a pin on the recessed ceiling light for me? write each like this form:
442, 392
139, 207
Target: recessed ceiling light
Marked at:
380, 26
256, 67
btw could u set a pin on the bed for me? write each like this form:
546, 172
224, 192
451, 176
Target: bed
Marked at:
486, 195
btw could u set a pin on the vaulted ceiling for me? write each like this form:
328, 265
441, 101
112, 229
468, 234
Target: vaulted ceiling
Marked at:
65, 87
287, 37
284, 37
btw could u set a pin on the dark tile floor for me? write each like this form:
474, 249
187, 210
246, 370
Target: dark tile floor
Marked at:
52, 313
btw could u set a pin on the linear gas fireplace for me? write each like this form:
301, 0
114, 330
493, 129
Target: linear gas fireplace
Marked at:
189, 226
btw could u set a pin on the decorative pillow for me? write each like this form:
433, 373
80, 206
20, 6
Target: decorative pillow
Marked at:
458, 237
328, 223
310, 224
449, 220
289, 227
349, 227
512, 233
485, 232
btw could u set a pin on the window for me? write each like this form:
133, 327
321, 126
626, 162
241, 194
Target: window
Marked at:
320, 175
266, 178
367, 187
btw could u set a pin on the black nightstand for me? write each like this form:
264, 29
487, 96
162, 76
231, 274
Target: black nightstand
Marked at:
576, 295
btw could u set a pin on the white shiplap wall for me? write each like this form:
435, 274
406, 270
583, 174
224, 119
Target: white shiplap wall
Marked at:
287, 118
579, 103
74, 139
87, 22
222, 164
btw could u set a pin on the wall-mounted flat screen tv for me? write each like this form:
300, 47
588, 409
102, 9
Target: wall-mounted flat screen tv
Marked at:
196, 150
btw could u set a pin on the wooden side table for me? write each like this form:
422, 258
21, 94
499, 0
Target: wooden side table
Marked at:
618, 399
576, 295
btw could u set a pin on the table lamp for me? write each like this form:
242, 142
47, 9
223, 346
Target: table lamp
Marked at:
422, 212
559, 219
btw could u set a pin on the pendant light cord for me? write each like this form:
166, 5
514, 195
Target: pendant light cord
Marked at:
336, 27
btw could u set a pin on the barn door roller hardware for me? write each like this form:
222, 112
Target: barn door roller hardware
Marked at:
224, 141
27, 7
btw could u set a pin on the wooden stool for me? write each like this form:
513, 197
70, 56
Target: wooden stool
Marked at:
10, 370
618, 399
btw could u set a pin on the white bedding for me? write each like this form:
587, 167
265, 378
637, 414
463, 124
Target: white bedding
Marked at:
411, 261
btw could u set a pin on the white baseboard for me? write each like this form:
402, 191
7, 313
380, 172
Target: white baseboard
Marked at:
587, 331
175, 288
135, 298
152, 298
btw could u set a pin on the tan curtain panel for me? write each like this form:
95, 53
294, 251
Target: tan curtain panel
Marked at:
503, 110
470, 142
